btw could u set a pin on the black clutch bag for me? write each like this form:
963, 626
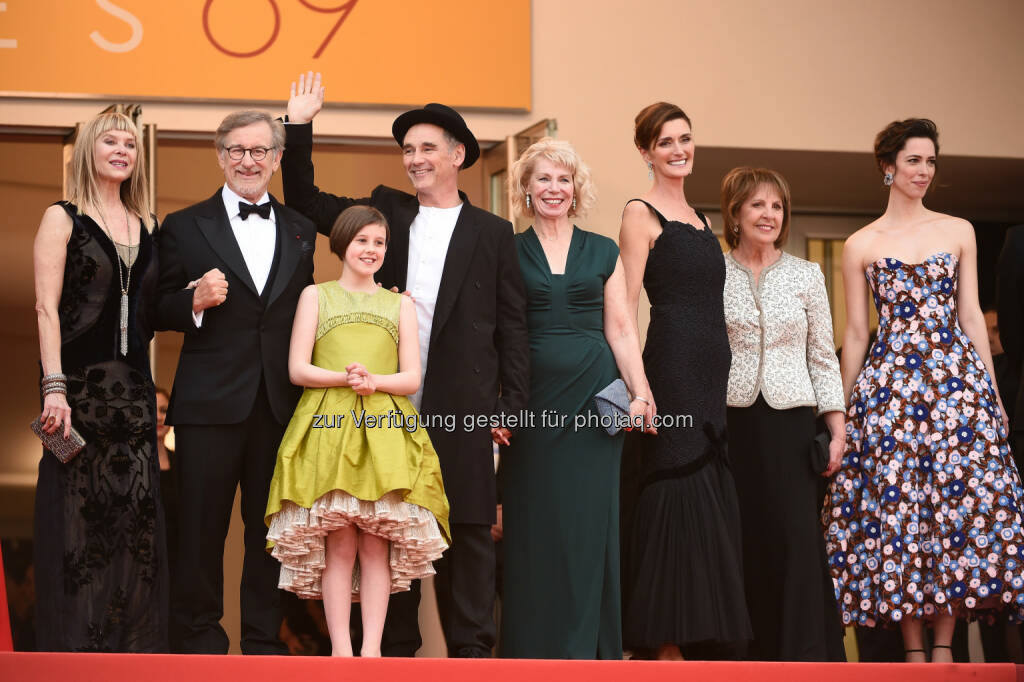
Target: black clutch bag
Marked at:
819, 452
63, 449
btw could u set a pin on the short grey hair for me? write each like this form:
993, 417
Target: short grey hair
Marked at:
453, 142
246, 117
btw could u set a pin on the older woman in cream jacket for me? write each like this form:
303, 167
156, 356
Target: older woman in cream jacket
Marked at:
784, 373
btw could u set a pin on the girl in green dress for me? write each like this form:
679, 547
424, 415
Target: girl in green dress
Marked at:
357, 508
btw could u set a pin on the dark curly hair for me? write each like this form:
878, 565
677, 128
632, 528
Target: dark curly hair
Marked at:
890, 141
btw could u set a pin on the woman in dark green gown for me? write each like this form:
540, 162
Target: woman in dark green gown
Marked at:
560, 475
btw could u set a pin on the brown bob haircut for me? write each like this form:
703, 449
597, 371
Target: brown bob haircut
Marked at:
893, 138
348, 224
739, 185
650, 120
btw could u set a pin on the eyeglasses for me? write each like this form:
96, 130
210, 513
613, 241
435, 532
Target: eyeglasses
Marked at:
255, 153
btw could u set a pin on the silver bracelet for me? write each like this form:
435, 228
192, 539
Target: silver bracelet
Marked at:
641, 399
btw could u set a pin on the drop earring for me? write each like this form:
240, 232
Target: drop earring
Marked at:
650, 170
527, 201
574, 204
887, 180
736, 228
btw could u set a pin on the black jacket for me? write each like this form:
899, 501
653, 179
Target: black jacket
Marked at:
1010, 297
246, 336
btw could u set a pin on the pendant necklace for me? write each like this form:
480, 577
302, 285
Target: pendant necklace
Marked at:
125, 282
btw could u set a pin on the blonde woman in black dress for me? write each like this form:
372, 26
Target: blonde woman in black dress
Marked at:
100, 561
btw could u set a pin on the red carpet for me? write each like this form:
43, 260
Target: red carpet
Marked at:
28, 667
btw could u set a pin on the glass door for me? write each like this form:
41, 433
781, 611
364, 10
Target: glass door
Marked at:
499, 158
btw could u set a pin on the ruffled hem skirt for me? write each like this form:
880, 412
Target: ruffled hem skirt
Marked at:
298, 538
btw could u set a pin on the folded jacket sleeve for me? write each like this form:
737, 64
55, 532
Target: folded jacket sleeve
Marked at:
297, 178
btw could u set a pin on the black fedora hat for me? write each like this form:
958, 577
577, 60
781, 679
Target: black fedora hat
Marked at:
443, 117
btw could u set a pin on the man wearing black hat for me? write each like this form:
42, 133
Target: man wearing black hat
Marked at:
459, 264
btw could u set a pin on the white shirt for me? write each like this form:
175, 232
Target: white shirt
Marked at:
429, 236
256, 237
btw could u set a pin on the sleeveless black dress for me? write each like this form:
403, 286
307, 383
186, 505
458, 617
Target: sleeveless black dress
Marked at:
685, 576
100, 558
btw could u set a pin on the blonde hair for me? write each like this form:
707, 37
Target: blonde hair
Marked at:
84, 190
739, 185
560, 153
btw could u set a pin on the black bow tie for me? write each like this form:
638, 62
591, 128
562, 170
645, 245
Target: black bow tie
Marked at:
246, 209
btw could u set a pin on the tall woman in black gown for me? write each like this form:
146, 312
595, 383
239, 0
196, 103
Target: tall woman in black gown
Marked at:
684, 578
100, 562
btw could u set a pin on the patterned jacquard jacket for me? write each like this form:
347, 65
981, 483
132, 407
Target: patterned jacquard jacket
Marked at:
780, 332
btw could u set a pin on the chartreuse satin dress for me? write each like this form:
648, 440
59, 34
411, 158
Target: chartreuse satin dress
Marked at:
350, 459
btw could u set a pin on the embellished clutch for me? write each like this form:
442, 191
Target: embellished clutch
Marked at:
63, 449
613, 406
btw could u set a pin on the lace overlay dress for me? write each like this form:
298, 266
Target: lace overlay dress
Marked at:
100, 562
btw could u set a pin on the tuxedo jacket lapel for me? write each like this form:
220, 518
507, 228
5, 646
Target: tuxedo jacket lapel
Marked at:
403, 215
456, 264
214, 225
290, 241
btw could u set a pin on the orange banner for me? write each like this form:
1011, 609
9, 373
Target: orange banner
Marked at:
469, 53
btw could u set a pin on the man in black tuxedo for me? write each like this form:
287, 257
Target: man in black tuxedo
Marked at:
1010, 305
459, 263
231, 271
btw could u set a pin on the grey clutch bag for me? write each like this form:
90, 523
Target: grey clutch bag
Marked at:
613, 406
64, 450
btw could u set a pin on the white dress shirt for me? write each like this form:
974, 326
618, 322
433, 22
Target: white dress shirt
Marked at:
429, 236
256, 237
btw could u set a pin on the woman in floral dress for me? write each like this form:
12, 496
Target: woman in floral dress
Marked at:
923, 523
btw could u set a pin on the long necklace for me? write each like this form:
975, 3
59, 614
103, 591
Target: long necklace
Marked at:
124, 281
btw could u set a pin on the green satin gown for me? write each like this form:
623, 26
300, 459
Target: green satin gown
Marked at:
560, 484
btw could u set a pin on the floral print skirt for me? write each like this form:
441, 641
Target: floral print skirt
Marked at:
923, 518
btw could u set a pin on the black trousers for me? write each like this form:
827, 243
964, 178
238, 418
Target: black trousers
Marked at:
212, 461
465, 599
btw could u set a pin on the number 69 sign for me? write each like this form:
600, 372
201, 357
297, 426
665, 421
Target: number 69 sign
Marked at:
462, 52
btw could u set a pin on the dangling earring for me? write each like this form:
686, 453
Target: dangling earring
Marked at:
574, 204
887, 180
736, 228
527, 201
650, 170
